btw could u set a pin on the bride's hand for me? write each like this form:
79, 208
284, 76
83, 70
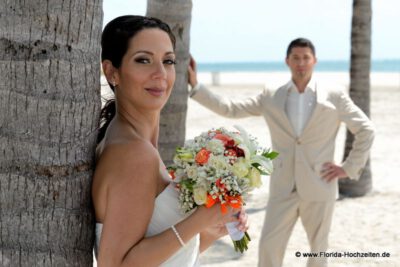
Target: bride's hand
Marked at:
192, 72
213, 215
243, 220
219, 230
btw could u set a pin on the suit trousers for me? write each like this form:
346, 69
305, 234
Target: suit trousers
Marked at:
280, 218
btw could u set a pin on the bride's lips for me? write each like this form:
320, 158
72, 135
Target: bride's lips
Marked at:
155, 91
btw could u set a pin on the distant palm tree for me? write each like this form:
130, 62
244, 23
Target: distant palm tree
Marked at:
49, 106
360, 66
177, 13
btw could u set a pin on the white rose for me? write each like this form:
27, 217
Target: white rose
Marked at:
204, 183
254, 177
218, 162
215, 146
237, 138
202, 174
240, 168
179, 174
191, 172
246, 151
200, 195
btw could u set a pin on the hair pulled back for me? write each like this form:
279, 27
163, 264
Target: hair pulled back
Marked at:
114, 44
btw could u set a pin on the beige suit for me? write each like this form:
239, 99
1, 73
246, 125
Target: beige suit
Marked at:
296, 185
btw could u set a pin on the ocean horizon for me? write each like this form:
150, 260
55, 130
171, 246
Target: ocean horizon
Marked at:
390, 65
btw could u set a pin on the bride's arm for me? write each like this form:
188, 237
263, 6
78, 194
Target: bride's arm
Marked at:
132, 175
207, 238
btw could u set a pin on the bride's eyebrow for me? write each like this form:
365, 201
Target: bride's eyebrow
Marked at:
151, 53
170, 53
138, 53
142, 52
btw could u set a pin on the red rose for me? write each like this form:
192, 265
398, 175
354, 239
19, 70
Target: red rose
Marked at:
228, 142
239, 152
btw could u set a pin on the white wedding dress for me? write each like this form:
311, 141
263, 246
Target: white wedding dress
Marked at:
166, 213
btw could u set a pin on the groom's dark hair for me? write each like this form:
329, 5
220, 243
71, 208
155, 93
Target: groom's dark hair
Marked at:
300, 42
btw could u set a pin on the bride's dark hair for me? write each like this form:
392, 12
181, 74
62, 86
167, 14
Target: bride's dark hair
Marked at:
114, 44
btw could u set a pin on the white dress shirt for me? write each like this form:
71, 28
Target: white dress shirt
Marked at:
299, 106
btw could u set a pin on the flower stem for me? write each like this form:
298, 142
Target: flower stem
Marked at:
242, 244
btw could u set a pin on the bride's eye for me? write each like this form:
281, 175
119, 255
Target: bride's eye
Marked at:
142, 60
170, 62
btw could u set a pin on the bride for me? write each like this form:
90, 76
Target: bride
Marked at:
139, 222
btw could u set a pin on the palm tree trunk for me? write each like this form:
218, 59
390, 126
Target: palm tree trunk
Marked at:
49, 106
360, 66
177, 13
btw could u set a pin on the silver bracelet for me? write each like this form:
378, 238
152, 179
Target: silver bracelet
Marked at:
178, 235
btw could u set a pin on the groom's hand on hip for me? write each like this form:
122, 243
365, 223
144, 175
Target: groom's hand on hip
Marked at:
330, 171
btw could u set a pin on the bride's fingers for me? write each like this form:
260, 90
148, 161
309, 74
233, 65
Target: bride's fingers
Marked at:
192, 75
245, 227
243, 222
192, 63
231, 215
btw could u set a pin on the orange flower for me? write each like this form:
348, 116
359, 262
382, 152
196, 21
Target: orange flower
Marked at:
203, 156
234, 202
172, 174
210, 201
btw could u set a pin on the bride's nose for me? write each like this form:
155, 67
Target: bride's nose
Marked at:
159, 71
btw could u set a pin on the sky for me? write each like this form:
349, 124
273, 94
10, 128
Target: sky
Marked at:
260, 30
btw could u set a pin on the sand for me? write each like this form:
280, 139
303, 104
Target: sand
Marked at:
365, 225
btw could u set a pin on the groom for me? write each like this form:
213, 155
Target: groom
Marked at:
303, 116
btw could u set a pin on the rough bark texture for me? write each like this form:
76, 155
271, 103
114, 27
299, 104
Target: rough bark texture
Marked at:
177, 13
360, 66
49, 106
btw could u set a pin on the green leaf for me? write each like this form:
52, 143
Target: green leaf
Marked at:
260, 168
188, 184
270, 154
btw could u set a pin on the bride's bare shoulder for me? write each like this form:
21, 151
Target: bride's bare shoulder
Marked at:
125, 169
129, 155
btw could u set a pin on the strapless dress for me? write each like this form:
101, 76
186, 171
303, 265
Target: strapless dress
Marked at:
166, 213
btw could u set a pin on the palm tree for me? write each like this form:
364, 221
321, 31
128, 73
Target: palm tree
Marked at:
360, 66
177, 13
50, 101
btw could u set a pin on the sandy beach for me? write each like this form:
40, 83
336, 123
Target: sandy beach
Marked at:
361, 225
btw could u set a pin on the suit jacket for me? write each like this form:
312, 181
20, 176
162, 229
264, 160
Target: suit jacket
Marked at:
301, 158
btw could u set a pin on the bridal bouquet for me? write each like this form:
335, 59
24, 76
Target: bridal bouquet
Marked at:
220, 167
